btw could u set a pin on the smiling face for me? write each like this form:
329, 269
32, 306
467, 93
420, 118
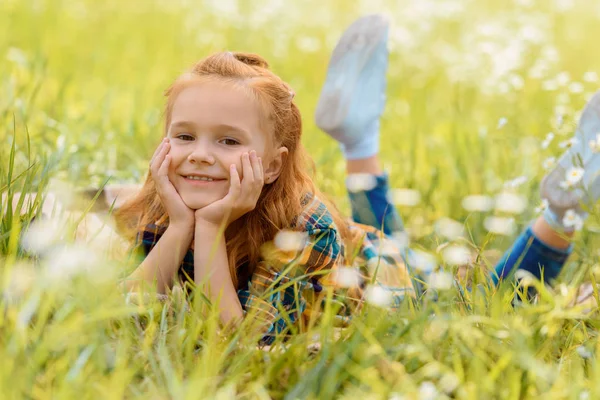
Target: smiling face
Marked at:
211, 126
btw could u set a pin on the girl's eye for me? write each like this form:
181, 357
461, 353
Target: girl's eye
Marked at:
229, 142
185, 137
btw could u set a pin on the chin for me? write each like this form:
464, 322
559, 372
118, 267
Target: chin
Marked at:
196, 203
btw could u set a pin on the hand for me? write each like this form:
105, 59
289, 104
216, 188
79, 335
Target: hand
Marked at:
242, 196
179, 213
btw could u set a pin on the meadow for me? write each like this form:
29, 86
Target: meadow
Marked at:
481, 94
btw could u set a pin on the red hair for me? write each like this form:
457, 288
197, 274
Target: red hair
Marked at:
280, 202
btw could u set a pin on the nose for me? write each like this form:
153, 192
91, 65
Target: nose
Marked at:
201, 154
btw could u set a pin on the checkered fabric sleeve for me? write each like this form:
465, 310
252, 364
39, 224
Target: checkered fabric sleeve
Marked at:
277, 289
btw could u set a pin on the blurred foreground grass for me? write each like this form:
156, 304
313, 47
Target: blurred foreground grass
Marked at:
474, 88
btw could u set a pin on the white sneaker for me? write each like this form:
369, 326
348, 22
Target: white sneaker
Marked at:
353, 96
581, 159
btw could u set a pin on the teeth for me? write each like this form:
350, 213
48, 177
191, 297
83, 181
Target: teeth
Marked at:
200, 178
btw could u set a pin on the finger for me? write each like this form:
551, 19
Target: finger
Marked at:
158, 149
160, 157
247, 173
234, 183
164, 167
256, 168
262, 169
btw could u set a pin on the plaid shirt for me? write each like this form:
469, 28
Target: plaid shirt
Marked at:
288, 284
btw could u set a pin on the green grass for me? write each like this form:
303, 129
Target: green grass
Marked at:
80, 101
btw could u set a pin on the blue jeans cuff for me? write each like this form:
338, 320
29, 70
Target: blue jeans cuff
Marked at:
530, 254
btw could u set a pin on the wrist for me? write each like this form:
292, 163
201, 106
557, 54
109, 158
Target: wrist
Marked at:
181, 228
207, 226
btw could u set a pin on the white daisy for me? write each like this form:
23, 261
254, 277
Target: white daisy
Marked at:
547, 140
378, 296
572, 220
502, 122
477, 202
543, 205
574, 175
568, 143
590, 76
549, 163
346, 277
595, 144
440, 280
515, 183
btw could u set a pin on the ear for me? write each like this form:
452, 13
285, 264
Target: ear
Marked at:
273, 170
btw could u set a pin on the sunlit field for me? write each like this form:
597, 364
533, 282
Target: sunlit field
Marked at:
481, 95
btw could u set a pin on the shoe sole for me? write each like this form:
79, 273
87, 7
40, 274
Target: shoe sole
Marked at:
362, 37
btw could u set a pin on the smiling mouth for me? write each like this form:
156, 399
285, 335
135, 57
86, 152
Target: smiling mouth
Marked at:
201, 179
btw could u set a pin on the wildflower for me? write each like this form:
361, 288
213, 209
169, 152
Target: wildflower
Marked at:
421, 260
477, 203
567, 144
401, 239
456, 255
584, 395
405, 197
583, 352
572, 220
501, 123
590, 76
563, 78
547, 140
576, 87
510, 203
500, 225
525, 278
549, 163
549, 85
360, 182
308, 44
574, 175
428, 391
41, 235
441, 280
289, 240
347, 277
21, 279
449, 382
595, 144
378, 296
543, 205
502, 334
515, 183
449, 228
68, 261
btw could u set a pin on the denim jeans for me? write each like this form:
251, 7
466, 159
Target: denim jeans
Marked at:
372, 207
528, 253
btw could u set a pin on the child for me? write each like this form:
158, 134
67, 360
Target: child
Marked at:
231, 173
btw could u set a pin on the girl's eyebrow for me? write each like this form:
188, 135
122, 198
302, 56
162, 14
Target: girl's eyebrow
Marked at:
182, 124
220, 128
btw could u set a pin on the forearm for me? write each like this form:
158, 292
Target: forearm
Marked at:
211, 270
163, 261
